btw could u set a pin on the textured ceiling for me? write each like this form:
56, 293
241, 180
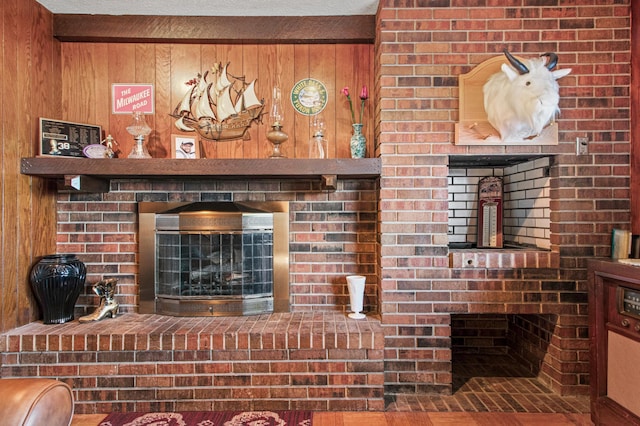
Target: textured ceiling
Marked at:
213, 7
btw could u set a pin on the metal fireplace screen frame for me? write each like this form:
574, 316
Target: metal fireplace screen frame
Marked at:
214, 258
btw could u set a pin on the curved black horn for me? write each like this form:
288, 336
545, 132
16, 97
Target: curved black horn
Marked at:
553, 60
519, 66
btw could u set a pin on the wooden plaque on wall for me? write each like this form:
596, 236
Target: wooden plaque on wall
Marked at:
66, 139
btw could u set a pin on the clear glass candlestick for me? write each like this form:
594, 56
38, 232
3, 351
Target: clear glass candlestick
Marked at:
139, 129
318, 144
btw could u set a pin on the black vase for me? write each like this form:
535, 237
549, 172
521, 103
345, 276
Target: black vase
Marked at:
57, 281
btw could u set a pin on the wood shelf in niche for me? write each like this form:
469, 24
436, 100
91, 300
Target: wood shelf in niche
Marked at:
94, 174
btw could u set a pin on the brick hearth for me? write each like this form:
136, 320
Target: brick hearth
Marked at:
306, 360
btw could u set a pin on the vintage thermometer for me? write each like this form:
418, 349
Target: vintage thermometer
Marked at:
490, 212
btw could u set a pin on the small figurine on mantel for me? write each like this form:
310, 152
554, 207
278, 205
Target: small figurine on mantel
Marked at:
106, 290
110, 143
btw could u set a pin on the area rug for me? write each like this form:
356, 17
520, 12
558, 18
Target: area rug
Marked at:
211, 418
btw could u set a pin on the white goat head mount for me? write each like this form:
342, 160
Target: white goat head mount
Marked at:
522, 98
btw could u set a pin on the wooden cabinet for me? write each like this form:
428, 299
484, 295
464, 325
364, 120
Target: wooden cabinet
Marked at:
614, 329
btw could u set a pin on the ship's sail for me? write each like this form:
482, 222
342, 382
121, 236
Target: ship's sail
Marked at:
185, 103
218, 106
248, 98
203, 106
223, 81
225, 105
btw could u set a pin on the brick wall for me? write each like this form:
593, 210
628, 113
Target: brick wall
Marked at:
526, 192
421, 49
331, 235
529, 337
484, 334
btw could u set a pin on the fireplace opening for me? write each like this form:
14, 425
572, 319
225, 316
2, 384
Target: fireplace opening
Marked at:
213, 258
485, 346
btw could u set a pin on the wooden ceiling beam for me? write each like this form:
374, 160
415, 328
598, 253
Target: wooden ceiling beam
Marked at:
214, 29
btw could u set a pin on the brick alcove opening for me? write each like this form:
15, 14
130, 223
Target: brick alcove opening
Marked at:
526, 216
499, 345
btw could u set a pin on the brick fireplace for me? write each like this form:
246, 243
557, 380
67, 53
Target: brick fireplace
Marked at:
331, 234
313, 357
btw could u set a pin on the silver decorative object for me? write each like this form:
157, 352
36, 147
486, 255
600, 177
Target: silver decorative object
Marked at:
106, 289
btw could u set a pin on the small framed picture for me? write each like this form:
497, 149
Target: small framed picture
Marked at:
184, 147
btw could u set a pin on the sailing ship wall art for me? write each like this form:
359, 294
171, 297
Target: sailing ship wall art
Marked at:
219, 106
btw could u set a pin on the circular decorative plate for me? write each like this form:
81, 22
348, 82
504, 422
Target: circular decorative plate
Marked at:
309, 96
94, 151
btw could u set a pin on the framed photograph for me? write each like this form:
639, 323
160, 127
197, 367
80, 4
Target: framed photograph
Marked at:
184, 147
67, 139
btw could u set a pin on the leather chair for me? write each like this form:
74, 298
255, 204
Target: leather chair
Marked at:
35, 402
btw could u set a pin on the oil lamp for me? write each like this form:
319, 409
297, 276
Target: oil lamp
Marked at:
139, 129
276, 135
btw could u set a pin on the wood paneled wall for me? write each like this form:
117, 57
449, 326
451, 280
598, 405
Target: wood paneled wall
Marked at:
89, 70
30, 89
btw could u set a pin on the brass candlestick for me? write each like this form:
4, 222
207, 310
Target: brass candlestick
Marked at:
277, 137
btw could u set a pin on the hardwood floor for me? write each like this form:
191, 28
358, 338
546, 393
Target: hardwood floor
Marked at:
459, 419
416, 418
87, 419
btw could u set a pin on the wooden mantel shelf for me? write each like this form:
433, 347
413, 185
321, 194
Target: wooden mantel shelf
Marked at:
73, 170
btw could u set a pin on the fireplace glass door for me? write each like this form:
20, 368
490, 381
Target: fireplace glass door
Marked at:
213, 258
235, 265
